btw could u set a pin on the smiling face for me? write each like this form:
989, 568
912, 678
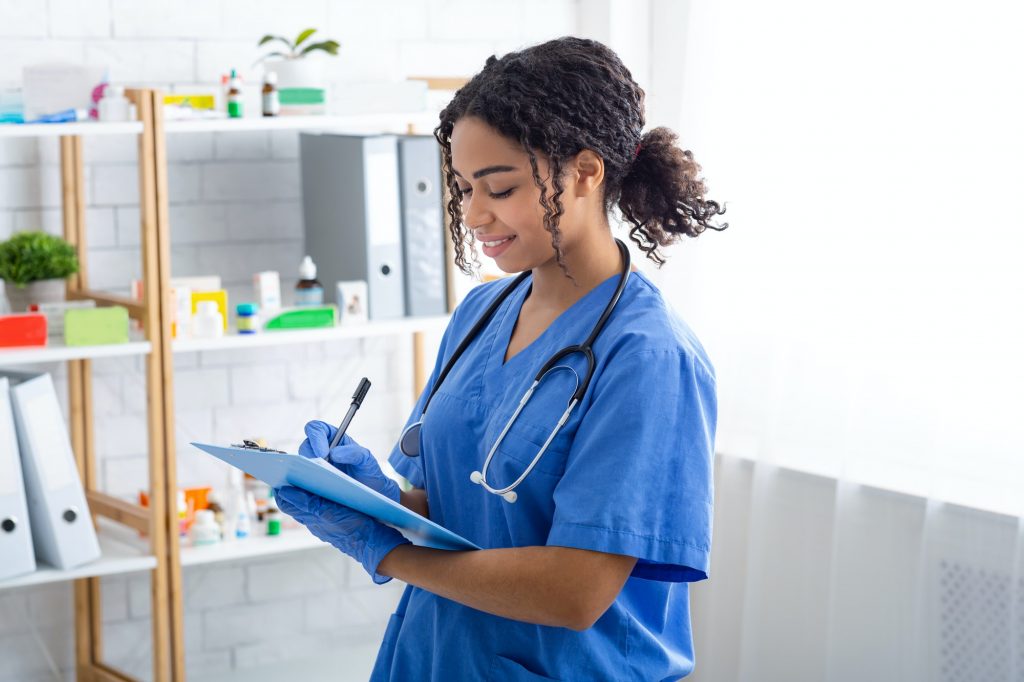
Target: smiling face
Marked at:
501, 201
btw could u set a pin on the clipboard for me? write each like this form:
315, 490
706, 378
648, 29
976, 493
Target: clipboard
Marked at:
318, 476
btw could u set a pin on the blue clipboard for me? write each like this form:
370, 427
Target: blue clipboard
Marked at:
278, 469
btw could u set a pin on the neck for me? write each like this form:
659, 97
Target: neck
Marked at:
590, 263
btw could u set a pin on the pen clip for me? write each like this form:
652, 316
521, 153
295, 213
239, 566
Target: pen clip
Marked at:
361, 390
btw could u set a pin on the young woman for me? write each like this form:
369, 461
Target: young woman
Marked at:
592, 501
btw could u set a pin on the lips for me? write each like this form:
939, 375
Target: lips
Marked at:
496, 245
494, 241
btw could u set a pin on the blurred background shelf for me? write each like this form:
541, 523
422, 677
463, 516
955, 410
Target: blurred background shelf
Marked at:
255, 546
396, 122
78, 128
284, 338
57, 352
119, 556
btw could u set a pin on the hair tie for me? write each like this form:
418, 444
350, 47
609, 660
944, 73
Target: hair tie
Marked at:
637, 152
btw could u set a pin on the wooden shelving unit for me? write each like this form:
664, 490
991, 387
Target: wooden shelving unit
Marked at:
161, 554
118, 554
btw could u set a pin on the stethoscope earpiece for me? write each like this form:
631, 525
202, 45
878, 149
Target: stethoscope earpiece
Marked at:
476, 477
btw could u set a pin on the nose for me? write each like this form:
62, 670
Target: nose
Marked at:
476, 213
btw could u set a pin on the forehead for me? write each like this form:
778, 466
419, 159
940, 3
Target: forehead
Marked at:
476, 145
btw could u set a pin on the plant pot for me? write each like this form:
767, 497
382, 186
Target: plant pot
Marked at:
301, 85
42, 291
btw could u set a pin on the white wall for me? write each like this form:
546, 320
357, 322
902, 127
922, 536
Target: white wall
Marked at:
235, 208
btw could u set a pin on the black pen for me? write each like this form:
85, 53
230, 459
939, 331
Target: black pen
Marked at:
357, 400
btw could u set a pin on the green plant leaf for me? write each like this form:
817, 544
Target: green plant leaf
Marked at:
302, 36
267, 38
328, 46
32, 256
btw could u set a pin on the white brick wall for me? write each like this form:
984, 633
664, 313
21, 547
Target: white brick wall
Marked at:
235, 207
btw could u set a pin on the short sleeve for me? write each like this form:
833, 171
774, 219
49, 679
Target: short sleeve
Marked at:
638, 477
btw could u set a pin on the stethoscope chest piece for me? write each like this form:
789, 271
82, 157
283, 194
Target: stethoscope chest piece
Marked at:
409, 443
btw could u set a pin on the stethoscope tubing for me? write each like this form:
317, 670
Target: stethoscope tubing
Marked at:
409, 443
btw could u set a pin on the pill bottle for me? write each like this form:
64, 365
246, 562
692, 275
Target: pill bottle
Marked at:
207, 323
247, 318
114, 106
273, 517
205, 530
235, 96
271, 97
308, 290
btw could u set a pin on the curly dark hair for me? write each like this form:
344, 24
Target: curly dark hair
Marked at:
570, 94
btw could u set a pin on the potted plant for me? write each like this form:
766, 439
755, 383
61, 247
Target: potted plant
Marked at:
34, 266
301, 81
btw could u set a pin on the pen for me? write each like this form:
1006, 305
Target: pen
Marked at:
357, 400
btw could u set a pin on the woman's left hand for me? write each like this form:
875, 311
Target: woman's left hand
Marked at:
354, 533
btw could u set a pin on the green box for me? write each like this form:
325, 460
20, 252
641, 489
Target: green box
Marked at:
96, 326
306, 317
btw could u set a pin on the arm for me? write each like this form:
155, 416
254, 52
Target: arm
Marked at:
416, 500
558, 586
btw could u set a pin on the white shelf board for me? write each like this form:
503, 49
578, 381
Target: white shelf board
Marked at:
118, 557
255, 546
77, 128
295, 336
358, 122
57, 352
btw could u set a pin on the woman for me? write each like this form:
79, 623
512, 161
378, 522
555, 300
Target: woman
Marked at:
584, 575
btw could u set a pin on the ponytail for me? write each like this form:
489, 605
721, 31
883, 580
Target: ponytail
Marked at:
662, 195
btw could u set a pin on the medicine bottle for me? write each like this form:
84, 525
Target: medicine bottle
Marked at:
271, 97
205, 530
207, 323
234, 96
308, 291
246, 318
114, 106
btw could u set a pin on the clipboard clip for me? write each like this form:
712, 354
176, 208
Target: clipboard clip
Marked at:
253, 445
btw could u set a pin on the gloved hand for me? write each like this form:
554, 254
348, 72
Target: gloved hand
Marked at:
348, 457
354, 533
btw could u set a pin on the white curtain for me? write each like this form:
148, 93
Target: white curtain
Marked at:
863, 312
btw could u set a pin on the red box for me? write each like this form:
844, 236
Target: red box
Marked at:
22, 330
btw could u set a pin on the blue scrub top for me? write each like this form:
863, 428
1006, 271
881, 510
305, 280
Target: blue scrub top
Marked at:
629, 473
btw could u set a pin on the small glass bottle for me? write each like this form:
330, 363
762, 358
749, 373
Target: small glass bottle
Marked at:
234, 96
271, 97
247, 318
308, 290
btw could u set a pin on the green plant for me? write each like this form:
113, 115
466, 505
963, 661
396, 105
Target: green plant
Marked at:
328, 46
31, 256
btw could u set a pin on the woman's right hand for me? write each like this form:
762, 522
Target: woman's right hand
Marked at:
348, 457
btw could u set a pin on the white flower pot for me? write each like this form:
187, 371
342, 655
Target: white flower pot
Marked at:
305, 74
299, 73
43, 291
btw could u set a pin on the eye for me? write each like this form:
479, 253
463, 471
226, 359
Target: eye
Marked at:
503, 195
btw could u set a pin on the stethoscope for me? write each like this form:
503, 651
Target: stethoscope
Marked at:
409, 444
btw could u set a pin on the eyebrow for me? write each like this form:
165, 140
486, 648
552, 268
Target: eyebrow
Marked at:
487, 171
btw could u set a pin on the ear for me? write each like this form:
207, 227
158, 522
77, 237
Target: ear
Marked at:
589, 168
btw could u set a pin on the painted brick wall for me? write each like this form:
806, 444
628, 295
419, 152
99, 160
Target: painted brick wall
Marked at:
235, 205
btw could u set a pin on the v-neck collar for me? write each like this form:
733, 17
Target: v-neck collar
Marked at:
513, 309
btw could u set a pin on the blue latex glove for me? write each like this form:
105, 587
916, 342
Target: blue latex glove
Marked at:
354, 533
348, 457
